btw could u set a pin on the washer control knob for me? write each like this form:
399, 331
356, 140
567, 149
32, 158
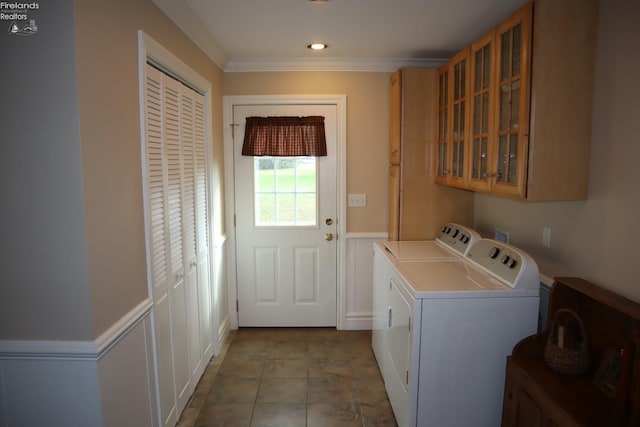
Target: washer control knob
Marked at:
505, 259
493, 253
455, 233
512, 263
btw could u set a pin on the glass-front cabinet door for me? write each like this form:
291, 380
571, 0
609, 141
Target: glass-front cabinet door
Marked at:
460, 119
509, 159
442, 125
482, 105
453, 120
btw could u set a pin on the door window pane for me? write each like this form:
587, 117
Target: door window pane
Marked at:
504, 107
483, 159
285, 191
456, 118
504, 60
454, 166
502, 158
515, 104
513, 158
485, 112
475, 159
461, 121
478, 71
515, 56
487, 65
477, 113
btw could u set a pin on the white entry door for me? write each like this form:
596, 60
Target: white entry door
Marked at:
286, 228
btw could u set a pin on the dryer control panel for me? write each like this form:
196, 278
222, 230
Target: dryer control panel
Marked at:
506, 263
458, 237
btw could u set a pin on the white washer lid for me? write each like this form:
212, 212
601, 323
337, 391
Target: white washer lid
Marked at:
453, 279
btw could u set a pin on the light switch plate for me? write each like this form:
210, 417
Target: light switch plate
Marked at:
357, 200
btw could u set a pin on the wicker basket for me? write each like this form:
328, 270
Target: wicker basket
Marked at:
566, 350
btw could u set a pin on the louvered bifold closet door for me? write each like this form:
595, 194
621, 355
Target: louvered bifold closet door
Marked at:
169, 156
177, 292
158, 241
189, 218
202, 229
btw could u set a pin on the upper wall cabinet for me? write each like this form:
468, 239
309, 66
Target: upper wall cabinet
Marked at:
530, 103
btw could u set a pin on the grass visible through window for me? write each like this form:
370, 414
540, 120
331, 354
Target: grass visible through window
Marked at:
285, 191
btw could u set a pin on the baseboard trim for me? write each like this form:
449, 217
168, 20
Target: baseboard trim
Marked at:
359, 321
223, 332
71, 350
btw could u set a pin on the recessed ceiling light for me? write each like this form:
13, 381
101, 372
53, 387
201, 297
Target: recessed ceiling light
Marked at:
317, 46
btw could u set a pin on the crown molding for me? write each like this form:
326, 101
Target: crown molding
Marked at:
235, 65
183, 16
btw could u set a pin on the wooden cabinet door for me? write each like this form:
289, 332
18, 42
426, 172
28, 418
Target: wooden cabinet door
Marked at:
519, 408
482, 107
529, 413
453, 121
442, 126
395, 118
512, 86
458, 137
394, 202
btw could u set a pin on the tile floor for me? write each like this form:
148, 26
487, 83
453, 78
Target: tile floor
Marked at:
281, 377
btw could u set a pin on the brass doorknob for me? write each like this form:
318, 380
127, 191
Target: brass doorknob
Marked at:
328, 237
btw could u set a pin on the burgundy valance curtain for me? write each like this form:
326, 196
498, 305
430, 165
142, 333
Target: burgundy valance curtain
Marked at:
284, 136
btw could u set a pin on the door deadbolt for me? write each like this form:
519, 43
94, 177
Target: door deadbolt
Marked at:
328, 221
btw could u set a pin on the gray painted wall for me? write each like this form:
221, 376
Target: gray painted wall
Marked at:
44, 291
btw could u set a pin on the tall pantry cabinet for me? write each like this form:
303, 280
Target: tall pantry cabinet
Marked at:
418, 207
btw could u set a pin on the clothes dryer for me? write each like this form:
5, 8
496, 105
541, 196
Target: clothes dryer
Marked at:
450, 326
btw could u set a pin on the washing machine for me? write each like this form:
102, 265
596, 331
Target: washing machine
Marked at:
450, 325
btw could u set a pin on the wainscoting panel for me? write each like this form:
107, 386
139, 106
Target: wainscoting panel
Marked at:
50, 392
221, 293
359, 279
124, 380
106, 382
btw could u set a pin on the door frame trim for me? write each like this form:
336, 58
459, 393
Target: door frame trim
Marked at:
340, 101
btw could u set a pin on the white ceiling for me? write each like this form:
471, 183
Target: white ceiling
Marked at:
262, 35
